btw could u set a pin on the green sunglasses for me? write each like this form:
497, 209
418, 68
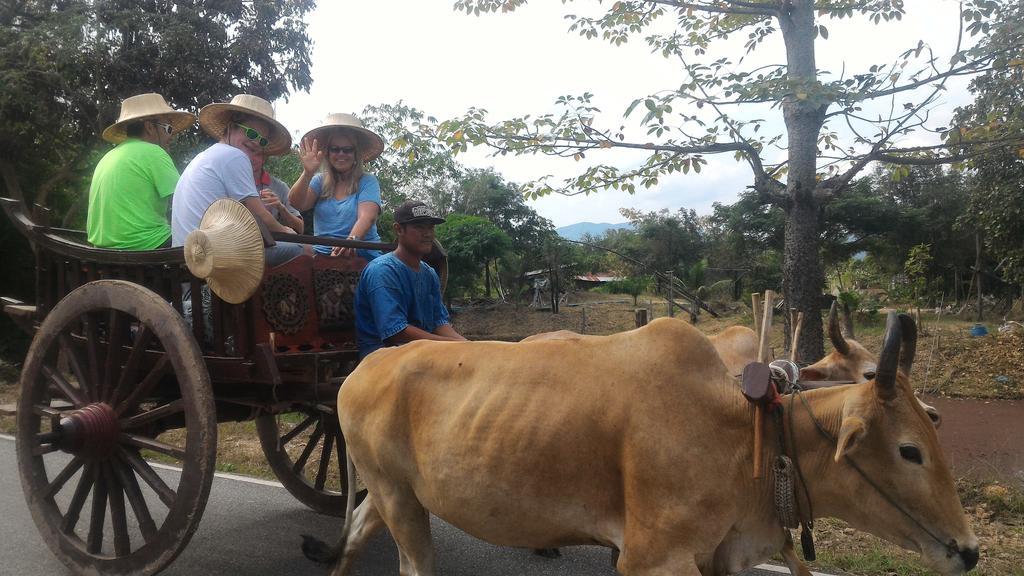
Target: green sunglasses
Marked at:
254, 135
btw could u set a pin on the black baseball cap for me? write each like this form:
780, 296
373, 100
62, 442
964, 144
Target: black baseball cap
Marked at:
413, 211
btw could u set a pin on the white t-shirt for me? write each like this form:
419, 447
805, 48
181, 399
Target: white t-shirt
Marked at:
220, 171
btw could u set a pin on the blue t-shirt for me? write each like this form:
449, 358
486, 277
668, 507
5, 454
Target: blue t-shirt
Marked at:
391, 296
335, 218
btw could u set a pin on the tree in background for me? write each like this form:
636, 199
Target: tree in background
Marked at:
816, 167
412, 165
996, 179
67, 66
472, 243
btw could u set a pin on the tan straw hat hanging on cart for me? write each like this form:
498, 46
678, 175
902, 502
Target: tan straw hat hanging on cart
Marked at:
227, 251
214, 118
369, 143
146, 107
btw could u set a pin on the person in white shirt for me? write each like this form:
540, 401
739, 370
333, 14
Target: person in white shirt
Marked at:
246, 129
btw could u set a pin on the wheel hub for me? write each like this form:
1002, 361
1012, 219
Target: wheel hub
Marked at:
91, 431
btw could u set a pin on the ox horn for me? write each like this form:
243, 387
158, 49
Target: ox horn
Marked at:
885, 376
848, 320
834, 333
908, 347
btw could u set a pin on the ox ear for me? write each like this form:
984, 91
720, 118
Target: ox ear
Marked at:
850, 433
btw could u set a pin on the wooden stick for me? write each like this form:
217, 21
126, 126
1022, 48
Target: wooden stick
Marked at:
766, 325
756, 304
762, 356
796, 335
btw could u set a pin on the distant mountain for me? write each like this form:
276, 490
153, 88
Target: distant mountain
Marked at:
577, 230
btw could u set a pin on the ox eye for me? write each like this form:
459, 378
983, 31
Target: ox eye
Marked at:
911, 453
869, 375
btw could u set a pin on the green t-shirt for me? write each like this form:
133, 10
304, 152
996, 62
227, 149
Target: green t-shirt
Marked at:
128, 198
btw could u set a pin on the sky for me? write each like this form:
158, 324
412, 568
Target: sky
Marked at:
444, 62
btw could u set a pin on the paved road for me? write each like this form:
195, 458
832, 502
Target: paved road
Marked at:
253, 528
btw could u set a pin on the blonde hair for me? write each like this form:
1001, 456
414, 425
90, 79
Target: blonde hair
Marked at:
332, 176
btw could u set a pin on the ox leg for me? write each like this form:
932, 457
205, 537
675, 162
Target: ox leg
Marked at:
409, 523
796, 566
366, 521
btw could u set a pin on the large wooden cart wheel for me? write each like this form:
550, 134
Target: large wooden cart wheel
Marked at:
112, 368
306, 451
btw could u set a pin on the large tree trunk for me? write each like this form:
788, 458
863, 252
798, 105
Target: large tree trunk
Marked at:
802, 275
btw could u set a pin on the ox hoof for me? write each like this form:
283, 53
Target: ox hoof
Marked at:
547, 552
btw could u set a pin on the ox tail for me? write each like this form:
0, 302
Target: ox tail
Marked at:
318, 550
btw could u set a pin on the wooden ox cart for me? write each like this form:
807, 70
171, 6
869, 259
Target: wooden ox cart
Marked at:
118, 382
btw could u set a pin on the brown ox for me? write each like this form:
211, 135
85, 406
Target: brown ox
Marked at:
736, 345
539, 444
850, 361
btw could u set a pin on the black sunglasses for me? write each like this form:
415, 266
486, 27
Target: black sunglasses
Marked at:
342, 149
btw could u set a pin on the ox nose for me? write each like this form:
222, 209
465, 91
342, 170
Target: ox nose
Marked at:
969, 556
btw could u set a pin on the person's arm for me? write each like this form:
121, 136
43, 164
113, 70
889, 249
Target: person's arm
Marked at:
301, 196
292, 221
410, 333
367, 215
449, 332
285, 214
255, 205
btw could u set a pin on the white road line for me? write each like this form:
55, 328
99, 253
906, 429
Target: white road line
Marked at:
261, 482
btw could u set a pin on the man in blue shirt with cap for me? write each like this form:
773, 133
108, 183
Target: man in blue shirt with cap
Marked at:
398, 299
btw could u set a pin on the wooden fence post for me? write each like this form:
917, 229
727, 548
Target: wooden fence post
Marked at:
640, 317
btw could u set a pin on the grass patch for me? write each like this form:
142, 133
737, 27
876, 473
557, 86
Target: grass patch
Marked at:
871, 561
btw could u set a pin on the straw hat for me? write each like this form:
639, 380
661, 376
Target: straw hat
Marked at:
369, 143
214, 118
146, 107
227, 251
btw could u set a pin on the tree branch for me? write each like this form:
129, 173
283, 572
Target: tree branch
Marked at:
738, 7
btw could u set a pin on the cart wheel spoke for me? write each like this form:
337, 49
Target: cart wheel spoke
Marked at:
150, 416
126, 378
94, 541
146, 472
116, 328
70, 353
62, 478
70, 393
297, 430
325, 461
118, 518
145, 388
126, 478
92, 346
300, 463
78, 500
154, 445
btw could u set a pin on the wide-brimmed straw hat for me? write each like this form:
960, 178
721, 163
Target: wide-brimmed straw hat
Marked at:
146, 107
227, 251
369, 143
214, 118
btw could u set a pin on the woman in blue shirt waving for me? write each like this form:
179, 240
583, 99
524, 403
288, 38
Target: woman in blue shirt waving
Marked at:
345, 201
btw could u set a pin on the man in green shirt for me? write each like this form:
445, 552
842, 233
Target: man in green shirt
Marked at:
133, 183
